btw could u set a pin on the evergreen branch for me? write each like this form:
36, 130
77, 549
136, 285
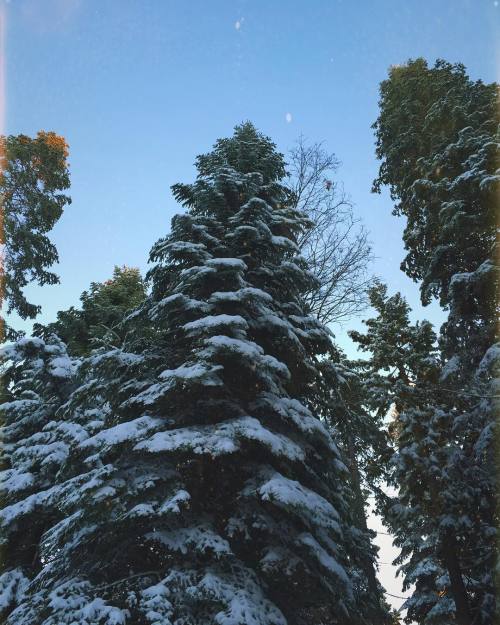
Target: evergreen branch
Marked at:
451, 390
126, 579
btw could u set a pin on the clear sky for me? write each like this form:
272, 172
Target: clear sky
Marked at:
140, 87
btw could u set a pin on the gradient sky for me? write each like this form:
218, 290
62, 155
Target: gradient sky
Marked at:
140, 87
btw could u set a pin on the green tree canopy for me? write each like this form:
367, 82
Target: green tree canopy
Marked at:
438, 139
33, 175
104, 307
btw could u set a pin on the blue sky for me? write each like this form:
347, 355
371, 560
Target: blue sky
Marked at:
139, 88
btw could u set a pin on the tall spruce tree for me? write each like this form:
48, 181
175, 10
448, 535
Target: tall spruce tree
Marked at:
437, 137
210, 492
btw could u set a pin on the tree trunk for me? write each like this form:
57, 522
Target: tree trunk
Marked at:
458, 590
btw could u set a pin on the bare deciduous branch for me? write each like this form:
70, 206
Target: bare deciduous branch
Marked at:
337, 246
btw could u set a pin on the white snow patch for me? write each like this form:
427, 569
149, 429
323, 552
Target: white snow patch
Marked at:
131, 430
216, 321
13, 585
309, 505
223, 438
187, 539
226, 263
323, 557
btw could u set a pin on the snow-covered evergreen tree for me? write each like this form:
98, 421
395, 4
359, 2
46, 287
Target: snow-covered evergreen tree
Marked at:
209, 492
37, 378
437, 136
400, 378
343, 403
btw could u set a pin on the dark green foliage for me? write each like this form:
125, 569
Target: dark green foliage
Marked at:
400, 353
437, 136
400, 379
103, 309
437, 139
441, 515
34, 172
343, 399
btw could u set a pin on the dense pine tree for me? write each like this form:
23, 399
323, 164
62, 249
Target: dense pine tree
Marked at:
437, 136
208, 491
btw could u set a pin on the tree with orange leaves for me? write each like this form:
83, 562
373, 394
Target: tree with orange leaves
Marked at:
33, 176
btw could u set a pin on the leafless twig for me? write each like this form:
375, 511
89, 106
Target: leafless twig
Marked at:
337, 246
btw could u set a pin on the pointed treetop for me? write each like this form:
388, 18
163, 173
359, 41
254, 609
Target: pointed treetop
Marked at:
247, 151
